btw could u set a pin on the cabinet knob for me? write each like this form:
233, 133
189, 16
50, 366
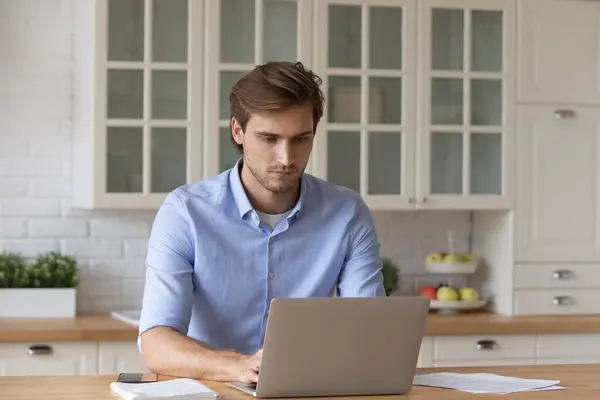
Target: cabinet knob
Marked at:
39, 349
486, 344
562, 114
561, 300
561, 273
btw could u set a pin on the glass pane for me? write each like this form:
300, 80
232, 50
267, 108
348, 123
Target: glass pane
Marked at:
486, 163
169, 94
385, 38
228, 79
385, 162
486, 40
344, 36
486, 102
447, 35
125, 93
170, 30
169, 159
344, 99
385, 100
447, 101
237, 31
343, 159
228, 154
124, 159
446, 163
280, 39
126, 30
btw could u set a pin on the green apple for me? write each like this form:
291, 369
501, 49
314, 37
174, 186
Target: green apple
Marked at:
435, 257
446, 293
468, 294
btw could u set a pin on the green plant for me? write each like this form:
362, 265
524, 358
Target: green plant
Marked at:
391, 276
14, 270
54, 270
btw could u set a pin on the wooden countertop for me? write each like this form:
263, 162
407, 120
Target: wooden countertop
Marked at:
107, 328
581, 382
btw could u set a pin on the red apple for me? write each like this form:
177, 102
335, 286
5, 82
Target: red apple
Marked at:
428, 291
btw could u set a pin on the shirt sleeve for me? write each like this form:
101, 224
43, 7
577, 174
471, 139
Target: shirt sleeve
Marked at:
361, 274
168, 292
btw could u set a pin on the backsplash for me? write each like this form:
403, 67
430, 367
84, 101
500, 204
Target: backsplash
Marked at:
35, 175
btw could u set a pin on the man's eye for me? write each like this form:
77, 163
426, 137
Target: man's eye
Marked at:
269, 139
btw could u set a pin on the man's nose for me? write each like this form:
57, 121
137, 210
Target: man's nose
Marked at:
284, 153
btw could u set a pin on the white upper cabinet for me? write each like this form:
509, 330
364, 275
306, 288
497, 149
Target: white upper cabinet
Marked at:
365, 55
466, 104
242, 34
419, 98
138, 100
559, 51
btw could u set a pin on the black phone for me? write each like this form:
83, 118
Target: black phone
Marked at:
131, 377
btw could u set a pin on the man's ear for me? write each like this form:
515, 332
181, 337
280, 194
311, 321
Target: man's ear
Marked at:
237, 132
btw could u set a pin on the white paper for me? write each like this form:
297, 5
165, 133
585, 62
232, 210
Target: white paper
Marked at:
484, 383
182, 388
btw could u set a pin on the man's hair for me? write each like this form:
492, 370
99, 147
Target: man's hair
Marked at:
275, 86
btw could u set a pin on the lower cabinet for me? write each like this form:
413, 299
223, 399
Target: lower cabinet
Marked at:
115, 357
497, 350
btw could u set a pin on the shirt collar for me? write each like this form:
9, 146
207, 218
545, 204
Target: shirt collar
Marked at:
241, 199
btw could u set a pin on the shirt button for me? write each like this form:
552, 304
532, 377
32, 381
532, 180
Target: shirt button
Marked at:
271, 275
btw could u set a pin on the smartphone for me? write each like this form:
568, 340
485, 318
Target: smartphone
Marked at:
129, 377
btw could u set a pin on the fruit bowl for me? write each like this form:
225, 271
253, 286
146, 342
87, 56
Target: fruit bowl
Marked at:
455, 307
451, 267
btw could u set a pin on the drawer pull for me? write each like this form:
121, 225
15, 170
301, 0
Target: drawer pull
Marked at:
39, 349
561, 300
485, 345
561, 114
561, 273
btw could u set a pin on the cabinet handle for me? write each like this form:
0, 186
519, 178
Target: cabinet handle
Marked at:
487, 344
561, 300
561, 114
422, 199
561, 273
411, 200
39, 349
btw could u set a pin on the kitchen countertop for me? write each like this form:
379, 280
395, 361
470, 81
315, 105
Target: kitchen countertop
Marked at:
104, 327
580, 381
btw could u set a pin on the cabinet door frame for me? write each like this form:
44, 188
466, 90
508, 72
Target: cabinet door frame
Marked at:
425, 199
407, 127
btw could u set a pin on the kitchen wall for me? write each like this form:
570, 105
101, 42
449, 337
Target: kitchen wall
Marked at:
35, 174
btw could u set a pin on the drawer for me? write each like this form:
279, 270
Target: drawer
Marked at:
557, 276
556, 302
577, 345
477, 347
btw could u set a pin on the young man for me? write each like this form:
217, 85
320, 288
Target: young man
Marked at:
221, 249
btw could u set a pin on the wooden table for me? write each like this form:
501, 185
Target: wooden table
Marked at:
581, 382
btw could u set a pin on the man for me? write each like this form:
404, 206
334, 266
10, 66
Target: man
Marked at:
221, 249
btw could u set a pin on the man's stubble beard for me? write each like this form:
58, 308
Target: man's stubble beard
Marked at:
264, 180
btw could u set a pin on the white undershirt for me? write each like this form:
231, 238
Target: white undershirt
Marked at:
271, 219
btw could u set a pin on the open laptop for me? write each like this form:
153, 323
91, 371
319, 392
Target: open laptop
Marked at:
340, 346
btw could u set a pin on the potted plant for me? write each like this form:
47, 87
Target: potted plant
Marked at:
390, 276
43, 288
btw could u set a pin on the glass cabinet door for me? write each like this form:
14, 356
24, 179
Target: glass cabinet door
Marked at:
149, 108
246, 33
463, 127
366, 139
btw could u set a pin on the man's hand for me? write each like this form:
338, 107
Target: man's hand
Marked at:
249, 366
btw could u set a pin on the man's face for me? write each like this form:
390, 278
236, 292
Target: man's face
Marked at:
277, 146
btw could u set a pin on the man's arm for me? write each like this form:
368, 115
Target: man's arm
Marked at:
361, 274
167, 306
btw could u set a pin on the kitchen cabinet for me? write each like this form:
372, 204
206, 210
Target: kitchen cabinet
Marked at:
558, 52
119, 356
49, 358
522, 349
419, 98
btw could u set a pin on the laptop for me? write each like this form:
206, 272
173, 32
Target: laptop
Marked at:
340, 346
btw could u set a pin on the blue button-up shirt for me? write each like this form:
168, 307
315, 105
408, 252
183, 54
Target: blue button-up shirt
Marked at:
213, 267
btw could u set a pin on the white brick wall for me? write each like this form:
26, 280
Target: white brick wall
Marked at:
35, 174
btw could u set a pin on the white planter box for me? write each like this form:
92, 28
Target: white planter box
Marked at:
37, 303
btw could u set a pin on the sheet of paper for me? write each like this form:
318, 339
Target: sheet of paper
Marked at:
181, 388
484, 383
